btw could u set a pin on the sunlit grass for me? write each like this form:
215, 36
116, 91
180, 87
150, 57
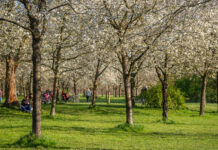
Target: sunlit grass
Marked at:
77, 126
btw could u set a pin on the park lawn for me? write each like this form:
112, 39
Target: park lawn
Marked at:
76, 126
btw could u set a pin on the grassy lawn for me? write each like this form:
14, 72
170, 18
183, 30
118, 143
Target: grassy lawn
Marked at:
76, 126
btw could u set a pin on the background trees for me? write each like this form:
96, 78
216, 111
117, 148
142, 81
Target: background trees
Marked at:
202, 44
74, 40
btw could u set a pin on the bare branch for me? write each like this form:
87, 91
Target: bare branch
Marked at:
16, 23
59, 6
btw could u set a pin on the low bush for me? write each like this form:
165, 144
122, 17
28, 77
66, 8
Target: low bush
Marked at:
153, 97
191, 87
30, 140
130, 128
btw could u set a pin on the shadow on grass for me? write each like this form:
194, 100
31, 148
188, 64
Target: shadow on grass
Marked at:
76, 109
137, 130
14, 113
12, 126
197, 110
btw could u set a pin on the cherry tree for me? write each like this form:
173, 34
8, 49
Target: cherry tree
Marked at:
32, 17
201, 46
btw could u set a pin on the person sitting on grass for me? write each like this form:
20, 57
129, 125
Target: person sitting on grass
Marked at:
25, 105
67, 96
63, 96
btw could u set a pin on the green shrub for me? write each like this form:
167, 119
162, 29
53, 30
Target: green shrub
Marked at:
130, 128
191, 87
153, 97
30, 140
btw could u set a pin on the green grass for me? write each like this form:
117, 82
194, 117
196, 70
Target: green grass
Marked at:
76, 126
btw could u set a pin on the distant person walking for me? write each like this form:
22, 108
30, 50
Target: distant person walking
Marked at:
88, 94
0, 96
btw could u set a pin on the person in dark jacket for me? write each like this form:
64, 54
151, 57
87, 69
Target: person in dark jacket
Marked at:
26, 105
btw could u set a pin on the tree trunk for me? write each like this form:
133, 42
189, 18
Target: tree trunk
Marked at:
10, 82
106, 93
217, 89
56, 78
27, 89
21, 87
36, 58
3, 88
95, 83
120, 90
24, 90
95, 86
54, 98
163, 77
31, 83
84, 92
57, 92
76, 91
165, 97
203, 94
127, 88
75, 87
136, 91
108, 97
132, 81
116, 91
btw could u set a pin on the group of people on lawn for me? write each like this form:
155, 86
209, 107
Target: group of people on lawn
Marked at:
26, 103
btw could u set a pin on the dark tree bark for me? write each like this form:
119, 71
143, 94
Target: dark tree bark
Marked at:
136, 91
217, 89
24, 90
98, 73
108, 95
163, 77
119, 90
36, 58
3, 88
115, 91
127, 88
133, 88
75, 87
27, 89
95, 83
94, 95
21, 86
165, 97
56, 78
10, 82
54, 98
203, 93
76, 91
31, 83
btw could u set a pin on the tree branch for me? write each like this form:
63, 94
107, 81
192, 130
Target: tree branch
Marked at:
59, 6
15, 23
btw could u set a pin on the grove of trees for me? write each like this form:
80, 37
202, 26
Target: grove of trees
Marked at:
110, 46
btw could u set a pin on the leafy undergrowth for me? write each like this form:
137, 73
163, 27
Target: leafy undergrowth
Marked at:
130, 128
31, 140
